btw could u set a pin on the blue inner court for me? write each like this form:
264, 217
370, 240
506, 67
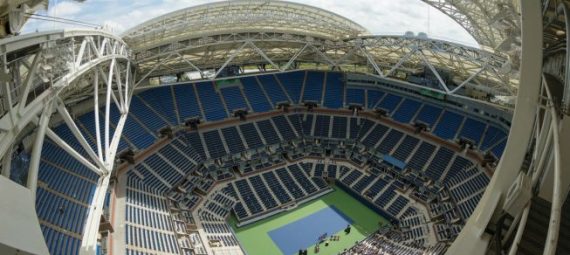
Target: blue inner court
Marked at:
305, 232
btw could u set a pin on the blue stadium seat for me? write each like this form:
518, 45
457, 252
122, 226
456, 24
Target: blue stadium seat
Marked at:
146, 116
251, 135
438, 165
186, 102
389, 102
210, 101
255, 95
375, 135
374, 97
268, 132
234, 99
448, 125
276, 187
334, 93
388, 143
293, 84
428, 115
284, 128
233, 140
492, 136
314, 87
421, 156
406, 111
339, 127
162, 101
214, 144
403, 151
355, 96
322, 126
472, 130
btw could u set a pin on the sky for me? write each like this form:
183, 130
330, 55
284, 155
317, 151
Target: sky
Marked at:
393, 17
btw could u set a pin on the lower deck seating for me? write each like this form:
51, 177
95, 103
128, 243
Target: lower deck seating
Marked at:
265, 192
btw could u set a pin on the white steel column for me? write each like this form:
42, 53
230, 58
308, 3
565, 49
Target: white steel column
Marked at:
473, 236
37, 150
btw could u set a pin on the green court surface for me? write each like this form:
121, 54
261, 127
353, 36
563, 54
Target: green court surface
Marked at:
256, 241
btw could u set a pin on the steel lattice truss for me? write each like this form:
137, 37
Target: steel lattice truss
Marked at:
382, 55
48, 73
491, 23
280, 33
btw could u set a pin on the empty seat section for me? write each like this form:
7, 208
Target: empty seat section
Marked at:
268, 132
163, 169
355, 96
138, 135
314, 87
322, 126
354, 128
448, 125
59, 211
284, 128
186, 101
492, 136
66, 182
193, 138
339, 127
177, 158
308, 124
350, 178
214, 144
331, 171
146, 116
211, 102
334, 93
396, 207
56, 155
289, 183
295, 120
390, 141
375, 188
276, 187
439, 163
251, 136
472, 130
60, 243
365, 126
233, 140
499, 149
162, 101
406, 147
406, 111
389, 102
248, 197
374, 97
293, 84
302, 179
184, 146
459, 164
262, 191
428, 115
386, 196
375, 135
255, 95
361, 184
234, 99
421, 157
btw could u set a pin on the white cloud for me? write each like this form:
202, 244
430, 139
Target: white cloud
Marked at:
65, 9
378, 16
